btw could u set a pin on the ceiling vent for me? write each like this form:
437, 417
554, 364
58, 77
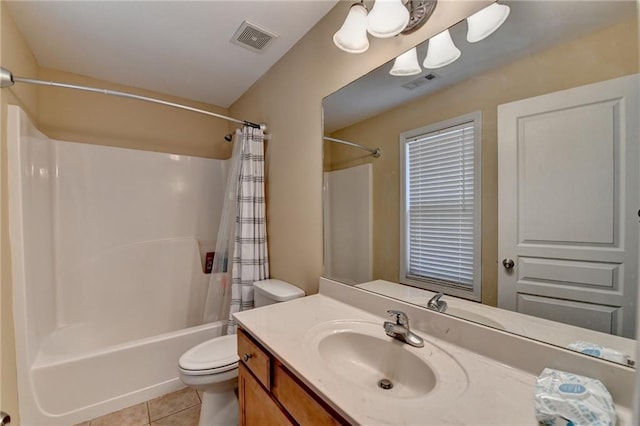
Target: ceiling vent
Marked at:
252, 37
420, 81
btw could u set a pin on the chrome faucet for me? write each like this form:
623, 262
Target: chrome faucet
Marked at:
400, 329
435, 304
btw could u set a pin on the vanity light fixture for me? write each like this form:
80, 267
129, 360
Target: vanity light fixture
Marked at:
486, 21
441, 51
352, 36
387, 18
406, 64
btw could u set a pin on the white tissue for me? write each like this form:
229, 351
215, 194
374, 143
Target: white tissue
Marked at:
594, 349
562, 396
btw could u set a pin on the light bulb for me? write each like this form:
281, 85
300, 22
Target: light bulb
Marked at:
387, 18
484, 22
406, 64
441, 51
352, 36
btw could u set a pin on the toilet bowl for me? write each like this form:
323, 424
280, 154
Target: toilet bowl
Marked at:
212, 366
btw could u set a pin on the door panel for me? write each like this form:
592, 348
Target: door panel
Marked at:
568, 201
560, 173
590, 274
595, 317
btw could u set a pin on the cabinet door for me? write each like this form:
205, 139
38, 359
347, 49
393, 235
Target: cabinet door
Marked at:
256, 406
256, 359
298, 402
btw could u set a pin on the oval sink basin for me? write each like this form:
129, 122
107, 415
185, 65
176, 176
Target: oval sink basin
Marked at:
360, 354
366, 359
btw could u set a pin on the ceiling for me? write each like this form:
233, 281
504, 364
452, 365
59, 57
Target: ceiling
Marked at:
180, 48
532, 26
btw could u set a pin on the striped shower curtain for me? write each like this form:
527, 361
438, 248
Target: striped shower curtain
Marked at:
250, 260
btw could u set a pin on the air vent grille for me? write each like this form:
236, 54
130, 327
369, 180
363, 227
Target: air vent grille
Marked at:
420, 81
252, 37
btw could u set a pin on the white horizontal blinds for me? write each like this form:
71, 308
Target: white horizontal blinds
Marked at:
440, 203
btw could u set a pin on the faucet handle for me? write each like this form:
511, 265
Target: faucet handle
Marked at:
436, 304
401, 317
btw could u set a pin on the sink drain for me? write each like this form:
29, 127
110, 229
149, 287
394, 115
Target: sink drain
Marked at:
385, 384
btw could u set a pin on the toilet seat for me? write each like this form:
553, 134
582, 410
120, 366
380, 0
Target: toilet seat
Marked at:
211, 357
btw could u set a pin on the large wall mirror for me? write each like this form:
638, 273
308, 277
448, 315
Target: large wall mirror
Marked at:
508, 179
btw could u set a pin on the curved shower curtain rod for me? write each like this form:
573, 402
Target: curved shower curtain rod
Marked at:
376, 152
7, 79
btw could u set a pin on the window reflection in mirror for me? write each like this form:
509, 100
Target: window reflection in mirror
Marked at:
556, 79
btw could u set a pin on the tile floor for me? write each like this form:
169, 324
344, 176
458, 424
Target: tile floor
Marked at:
180, 408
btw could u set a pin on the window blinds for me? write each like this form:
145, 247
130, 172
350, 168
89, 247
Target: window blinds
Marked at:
440, 206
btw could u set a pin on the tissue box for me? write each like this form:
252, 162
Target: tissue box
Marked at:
599, 351
563, 398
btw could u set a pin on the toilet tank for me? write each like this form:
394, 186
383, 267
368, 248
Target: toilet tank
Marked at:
267, 292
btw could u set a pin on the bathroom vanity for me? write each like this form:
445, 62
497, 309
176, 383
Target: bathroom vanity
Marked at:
319, 360
270, 394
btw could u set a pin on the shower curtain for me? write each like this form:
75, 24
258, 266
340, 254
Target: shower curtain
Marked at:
241, 255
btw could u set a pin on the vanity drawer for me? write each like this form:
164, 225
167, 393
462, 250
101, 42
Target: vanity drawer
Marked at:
255, 358
300, 405
257, 408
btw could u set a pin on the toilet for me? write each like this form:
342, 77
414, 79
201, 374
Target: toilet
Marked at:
212, 367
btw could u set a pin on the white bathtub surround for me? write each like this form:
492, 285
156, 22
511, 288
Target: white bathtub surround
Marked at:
348, 224
500, 369
250, 257
106, 270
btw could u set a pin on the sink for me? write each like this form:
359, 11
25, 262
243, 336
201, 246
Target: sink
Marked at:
360, 354
365, 360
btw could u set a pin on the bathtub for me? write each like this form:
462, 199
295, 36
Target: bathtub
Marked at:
66, 389
112, 360
86, 369
107, 279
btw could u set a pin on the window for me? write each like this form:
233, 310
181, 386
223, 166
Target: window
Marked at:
440, 205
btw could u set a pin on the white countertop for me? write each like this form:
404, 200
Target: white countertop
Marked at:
496, 394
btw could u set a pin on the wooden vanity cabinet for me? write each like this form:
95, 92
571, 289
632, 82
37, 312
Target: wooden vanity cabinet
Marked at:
269, 394
257, 407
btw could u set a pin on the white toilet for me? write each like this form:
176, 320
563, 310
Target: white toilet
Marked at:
212, 366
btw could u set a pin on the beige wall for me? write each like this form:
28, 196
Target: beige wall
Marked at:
289, 99
77, 116
605, 54
16, 56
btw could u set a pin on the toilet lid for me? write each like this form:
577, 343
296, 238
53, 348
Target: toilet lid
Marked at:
219, 354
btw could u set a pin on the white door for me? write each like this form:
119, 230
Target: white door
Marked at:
568, 191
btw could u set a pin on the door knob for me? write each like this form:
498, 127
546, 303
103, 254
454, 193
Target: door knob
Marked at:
508, 264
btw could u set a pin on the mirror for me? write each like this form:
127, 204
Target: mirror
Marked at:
526, 82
